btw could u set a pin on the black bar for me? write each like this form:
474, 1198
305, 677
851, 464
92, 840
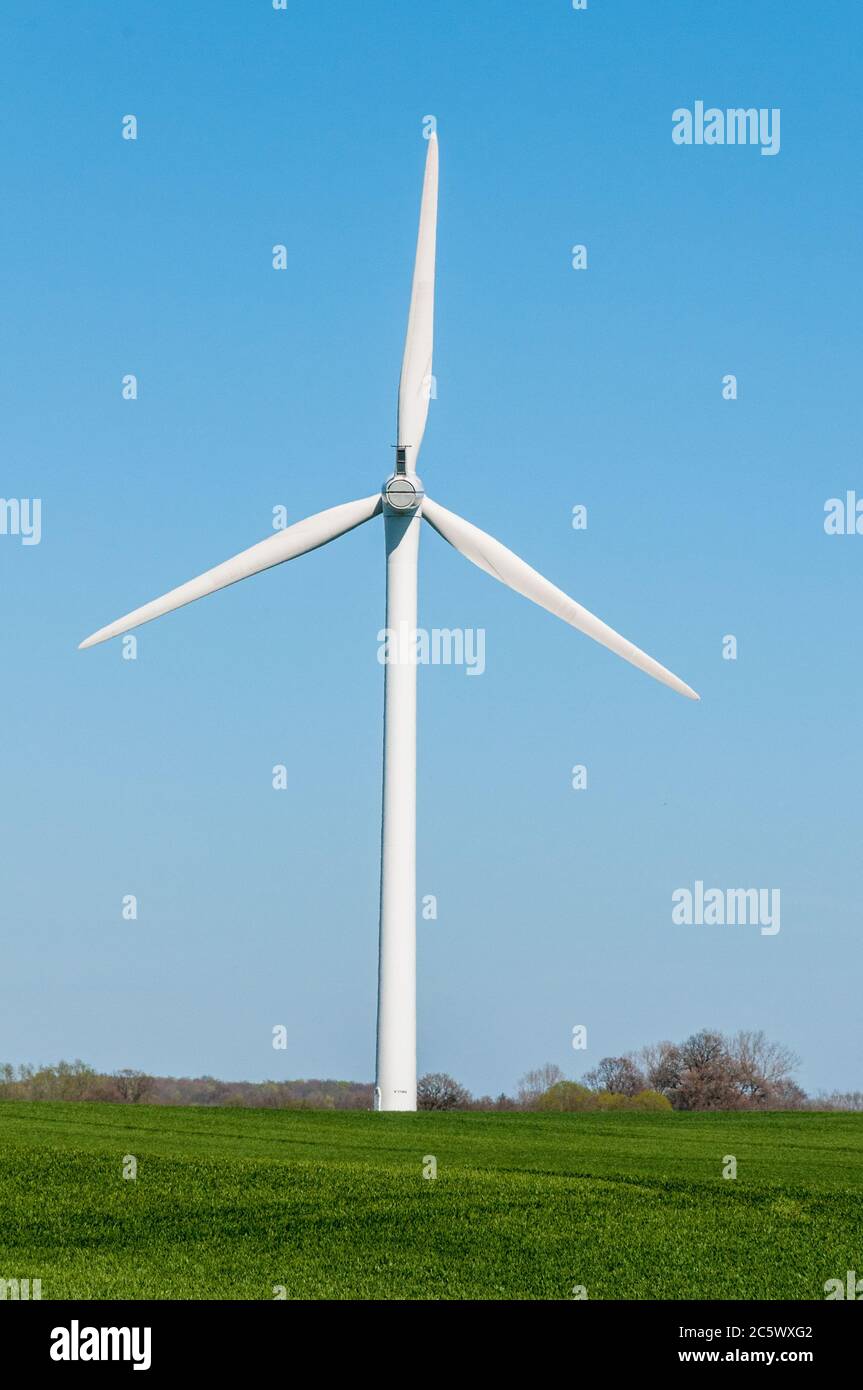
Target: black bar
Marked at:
220, 1337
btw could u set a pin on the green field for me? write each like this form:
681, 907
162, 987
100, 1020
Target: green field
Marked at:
232, 1203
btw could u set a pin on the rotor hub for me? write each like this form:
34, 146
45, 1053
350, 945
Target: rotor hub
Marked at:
403, 492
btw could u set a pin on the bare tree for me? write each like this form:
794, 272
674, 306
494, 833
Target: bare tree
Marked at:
619, 1075
132, 1085
837, 1100
702, 1050
437, 1091
662, 1065
787, 1095
535, 1083
763, 1068
708, 1079
711, 1072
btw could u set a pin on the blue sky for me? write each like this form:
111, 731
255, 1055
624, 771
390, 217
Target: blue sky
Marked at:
555, 387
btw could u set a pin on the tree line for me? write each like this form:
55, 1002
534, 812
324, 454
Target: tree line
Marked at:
78, 1081
707, 1071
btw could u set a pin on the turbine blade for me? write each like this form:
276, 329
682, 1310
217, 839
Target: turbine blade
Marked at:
502, 564
415, 383
285, 545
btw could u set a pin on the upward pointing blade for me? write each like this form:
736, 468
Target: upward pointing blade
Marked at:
502, 564
275, 550
415, 383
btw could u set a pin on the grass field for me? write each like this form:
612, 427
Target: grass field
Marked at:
231, 1203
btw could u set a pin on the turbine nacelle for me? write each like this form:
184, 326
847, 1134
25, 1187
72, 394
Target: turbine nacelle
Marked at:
402, 493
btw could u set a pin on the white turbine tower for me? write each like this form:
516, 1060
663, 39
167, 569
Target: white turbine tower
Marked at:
403, 503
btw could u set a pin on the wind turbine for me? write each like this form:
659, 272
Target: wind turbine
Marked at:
404, 504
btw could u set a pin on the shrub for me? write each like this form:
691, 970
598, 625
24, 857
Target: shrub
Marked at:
566, 1095
650, 1100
